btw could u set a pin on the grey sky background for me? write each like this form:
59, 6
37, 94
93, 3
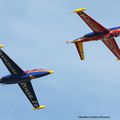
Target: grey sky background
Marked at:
34, 33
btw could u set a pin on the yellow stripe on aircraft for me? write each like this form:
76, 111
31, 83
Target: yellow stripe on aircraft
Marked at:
79, 10
40, 107
1, 46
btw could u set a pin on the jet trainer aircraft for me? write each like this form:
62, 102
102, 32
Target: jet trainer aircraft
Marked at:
99, 33
22, 78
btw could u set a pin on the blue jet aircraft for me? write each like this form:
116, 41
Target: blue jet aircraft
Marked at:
22, 78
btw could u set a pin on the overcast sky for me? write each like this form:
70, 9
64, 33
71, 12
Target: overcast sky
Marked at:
34, 34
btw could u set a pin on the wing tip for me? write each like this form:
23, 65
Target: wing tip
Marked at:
118, 59
40, 107
1, 46
82, 59
79, 10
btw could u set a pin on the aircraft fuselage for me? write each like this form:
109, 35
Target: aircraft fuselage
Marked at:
93, 36
32, 74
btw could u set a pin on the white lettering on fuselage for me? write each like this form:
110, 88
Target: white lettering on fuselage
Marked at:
29, 94
8, 64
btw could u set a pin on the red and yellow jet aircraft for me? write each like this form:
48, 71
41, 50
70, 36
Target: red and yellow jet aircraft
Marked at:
22, 78
99, 33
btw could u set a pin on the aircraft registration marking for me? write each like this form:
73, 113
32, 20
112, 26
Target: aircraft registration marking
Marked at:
30, 96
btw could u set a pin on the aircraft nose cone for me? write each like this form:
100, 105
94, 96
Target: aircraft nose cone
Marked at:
51, 71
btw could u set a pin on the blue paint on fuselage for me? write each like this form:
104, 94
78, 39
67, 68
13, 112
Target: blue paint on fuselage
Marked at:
12, 79
115, 28
92, 34
38, 74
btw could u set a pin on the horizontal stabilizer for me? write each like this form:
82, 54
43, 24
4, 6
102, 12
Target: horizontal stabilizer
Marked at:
79, 10
79, 46
40, 107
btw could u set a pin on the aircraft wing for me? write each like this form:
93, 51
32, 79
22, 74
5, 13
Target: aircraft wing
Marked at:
29, 92
13, 68
95, 26
112, 45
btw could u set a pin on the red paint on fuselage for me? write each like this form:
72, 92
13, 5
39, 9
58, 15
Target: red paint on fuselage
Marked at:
36, 70
98, 36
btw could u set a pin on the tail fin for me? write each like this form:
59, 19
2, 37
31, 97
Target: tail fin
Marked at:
80, 49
